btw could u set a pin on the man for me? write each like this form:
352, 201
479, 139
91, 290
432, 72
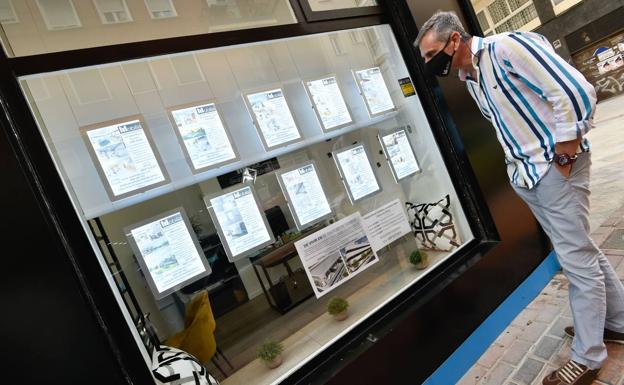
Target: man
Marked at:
541, 107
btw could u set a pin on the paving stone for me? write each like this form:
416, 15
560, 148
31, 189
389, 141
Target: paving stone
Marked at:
615, 260
498, 375
524, 318
557, 327
491, 355
508, 336
562, 356
533, 331
516, 352
473, 376
528, 371
546, 347
548, 313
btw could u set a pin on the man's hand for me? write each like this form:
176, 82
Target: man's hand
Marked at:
569, 148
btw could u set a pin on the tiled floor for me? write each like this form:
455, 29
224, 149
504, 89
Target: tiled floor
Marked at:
534, 344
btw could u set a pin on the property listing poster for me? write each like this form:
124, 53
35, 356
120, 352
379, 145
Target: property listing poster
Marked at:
273, 117
386, 224
336, 253
305, 194
374, 90
400, 154
358, 174
329, 103
169, 252
125, 156
240, 221
204, 136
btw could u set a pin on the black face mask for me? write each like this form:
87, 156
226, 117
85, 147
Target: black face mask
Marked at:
440, 63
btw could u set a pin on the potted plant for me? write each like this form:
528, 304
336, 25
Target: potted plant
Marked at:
270, 352
420, 259
337, 307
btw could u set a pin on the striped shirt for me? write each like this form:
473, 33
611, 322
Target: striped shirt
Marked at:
532, 97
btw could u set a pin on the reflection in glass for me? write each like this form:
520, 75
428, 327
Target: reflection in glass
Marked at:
497, 16
329, 5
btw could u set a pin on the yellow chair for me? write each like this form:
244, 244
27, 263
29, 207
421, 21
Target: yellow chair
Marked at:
198, 337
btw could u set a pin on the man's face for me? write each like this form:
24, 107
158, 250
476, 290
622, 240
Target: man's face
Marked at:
430, 46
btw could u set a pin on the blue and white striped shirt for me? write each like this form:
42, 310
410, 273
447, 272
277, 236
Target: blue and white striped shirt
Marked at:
533, 98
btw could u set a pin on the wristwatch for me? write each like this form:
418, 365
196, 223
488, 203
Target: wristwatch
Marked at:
564, 159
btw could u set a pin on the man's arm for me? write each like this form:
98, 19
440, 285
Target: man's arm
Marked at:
530, 57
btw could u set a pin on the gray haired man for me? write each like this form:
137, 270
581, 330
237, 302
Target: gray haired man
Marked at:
541, 108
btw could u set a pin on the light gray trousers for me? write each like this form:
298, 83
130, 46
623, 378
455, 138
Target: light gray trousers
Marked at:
561, 205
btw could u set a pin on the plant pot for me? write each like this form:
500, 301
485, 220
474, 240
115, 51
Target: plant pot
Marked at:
341, 316
274, 363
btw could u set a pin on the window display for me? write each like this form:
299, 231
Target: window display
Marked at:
328, 102
287, 205
304, 192
374, 90
356, 172
204, 138
125, 158
169, 255
399, 153
273, 118
242, 227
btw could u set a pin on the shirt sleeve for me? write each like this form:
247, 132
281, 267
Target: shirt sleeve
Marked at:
531, 58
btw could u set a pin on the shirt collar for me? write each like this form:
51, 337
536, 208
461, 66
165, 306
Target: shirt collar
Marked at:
476, 46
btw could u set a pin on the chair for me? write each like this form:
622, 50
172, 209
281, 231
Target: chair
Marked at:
198, 337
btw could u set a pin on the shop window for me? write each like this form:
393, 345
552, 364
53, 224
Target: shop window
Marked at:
58, 14
499, 16
264, 180
161, 9
560, 6
113, 11
7, 12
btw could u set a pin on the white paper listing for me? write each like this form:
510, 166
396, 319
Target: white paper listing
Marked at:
305, 194
374, 90
126, 158
336, 253
400, 154
386, 224
240, 221
273, 117
203, 135
357, 173
169, 252
329, 103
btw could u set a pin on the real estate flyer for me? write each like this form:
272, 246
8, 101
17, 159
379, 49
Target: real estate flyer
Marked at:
328, 102
204, 137
357, 173
374, 90
273, 117
240, 221
305, 194
125, 157
168, 252
386, 224
400, 154
336, 253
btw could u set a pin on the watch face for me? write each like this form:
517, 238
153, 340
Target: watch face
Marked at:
563, 160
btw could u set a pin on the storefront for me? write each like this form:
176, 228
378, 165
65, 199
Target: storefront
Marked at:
268, 156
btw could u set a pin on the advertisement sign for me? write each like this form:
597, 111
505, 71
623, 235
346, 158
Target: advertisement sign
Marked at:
203, 136
243, 228
399, 153
328, 102
356, 172
168, 252
374, 91
273, 118
336, 253
125, 157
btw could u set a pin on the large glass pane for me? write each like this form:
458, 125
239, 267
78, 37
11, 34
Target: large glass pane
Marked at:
266, 179
41, 26
561, 6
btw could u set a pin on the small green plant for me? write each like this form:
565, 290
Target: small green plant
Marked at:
419, 258
337, 305
270, 350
